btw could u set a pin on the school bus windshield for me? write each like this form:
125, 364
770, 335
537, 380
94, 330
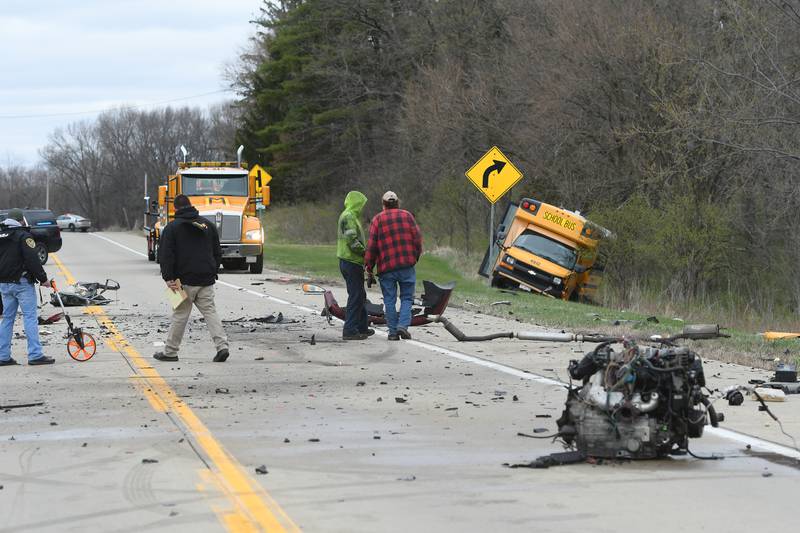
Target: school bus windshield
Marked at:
214, 185
547, 248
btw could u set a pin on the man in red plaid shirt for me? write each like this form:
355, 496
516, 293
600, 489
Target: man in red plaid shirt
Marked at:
394, 246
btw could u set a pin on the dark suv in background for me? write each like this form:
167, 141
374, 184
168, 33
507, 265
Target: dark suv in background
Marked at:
44, 229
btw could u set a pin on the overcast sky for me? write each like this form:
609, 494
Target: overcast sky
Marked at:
71, 56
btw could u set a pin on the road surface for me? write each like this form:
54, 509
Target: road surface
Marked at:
355, 437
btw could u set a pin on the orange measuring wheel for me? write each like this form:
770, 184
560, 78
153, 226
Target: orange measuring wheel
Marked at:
81, 346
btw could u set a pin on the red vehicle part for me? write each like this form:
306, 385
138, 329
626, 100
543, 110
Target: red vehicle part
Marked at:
434, 303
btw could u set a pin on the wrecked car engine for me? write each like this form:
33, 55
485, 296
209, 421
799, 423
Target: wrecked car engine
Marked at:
642, 402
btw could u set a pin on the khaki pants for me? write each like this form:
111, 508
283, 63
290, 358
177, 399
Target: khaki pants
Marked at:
203, 299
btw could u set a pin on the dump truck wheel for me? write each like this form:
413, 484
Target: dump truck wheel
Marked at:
258, 266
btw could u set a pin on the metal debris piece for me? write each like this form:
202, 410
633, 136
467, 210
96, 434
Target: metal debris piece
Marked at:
400, 400
261, 469
149, 461
20, 405
554, 459
312, 289
269, 319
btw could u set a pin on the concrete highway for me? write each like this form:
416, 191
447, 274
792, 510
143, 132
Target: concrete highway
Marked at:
365, 436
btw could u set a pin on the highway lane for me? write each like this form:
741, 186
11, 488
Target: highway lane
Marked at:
342, 453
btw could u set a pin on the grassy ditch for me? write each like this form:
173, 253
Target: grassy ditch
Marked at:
472, 293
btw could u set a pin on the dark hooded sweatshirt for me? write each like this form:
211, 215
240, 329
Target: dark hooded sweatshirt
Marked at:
189, 249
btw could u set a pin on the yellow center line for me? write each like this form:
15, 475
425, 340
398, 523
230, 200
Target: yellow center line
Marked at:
253, 508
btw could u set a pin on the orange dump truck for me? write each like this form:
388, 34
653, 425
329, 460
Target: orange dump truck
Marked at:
227, 194
545, 249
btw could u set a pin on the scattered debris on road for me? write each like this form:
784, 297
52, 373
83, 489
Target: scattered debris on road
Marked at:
312, 289
554, 459
734, 396
20, 405
261, 470
84, 293
269, 319
769, 394
149, 461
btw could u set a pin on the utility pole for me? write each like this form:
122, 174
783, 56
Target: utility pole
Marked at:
47, 192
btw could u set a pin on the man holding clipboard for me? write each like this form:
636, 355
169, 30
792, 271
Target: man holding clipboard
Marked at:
189, 254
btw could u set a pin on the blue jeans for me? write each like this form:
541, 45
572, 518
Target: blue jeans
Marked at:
22, 294
355, 319
406, 278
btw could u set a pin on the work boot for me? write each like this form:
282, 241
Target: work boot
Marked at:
369, 332
43, 360
221, 356
393, 337
354, 336
161, 356
8, 362
404, 334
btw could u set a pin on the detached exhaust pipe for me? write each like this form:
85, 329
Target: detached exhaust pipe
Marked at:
542, 336
459, 335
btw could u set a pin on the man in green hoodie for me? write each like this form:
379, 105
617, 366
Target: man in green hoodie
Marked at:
350, 248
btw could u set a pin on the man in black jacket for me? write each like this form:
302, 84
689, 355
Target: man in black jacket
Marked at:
19, 268
189, 254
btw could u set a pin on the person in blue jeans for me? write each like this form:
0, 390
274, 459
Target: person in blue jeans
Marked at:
19, 269
405, 279
394, 247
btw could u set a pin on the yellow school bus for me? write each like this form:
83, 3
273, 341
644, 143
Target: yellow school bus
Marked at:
545, 249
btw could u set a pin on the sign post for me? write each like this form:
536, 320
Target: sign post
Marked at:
494, 175
491, 231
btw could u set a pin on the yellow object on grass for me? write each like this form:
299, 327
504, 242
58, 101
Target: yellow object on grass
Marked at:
777, 335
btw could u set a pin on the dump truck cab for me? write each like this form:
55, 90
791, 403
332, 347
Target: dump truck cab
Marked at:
229, 196
545, 249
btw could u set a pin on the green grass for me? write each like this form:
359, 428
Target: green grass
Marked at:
472, 293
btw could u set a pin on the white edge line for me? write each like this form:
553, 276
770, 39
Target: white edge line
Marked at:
118, 244
724, 433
